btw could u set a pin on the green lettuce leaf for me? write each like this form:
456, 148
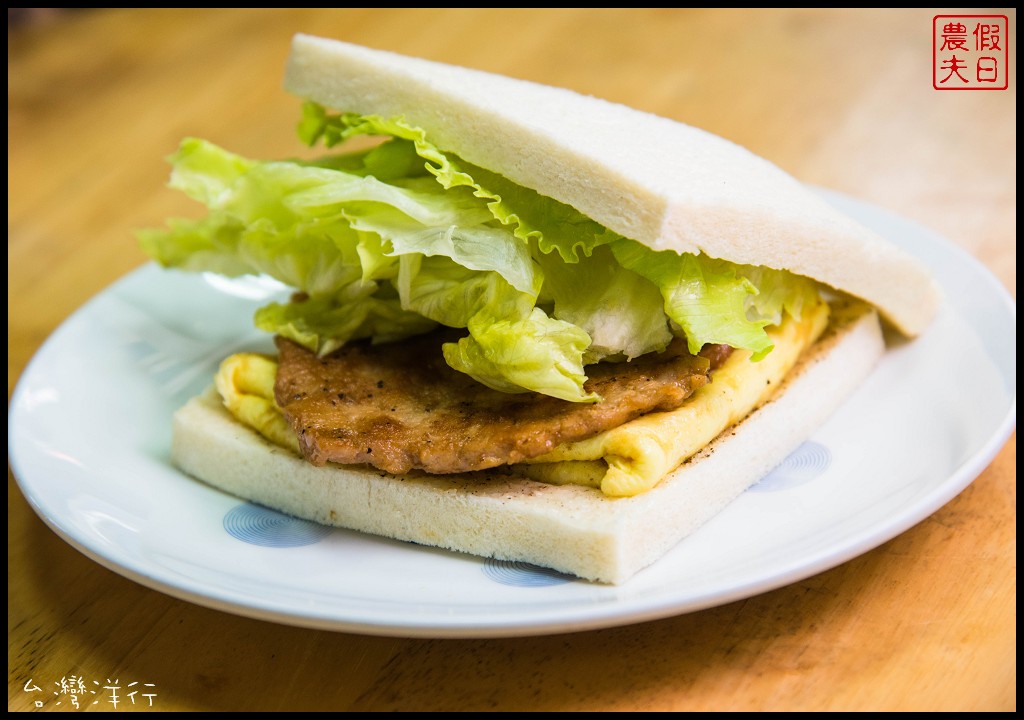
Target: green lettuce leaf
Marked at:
442, 290
619, 309
706, 297
473, 246
553, 225
389, 241
328, 323
779, 291
536, 352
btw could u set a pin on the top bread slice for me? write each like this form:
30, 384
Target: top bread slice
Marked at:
648, 178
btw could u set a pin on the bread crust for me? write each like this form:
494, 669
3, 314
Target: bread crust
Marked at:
576, 530
648, 178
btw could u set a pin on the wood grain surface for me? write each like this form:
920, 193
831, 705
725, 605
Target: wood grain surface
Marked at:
841, 99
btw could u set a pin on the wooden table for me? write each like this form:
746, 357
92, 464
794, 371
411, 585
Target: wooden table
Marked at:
842, 99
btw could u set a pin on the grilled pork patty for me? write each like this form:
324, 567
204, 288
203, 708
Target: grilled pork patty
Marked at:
399, 406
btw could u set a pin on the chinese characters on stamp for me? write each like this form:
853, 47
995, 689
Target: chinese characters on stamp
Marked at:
75, 691
970, 52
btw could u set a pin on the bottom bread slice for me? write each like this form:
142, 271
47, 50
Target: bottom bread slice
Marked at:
573, 529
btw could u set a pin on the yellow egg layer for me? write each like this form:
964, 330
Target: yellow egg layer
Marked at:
634, 457
624, 461
245, 382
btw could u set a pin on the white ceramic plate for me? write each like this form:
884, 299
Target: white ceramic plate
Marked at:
89, 435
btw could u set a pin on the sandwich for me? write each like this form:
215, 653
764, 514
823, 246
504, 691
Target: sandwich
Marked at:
519, 322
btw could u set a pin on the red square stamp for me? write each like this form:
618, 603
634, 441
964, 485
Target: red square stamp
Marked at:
970, 52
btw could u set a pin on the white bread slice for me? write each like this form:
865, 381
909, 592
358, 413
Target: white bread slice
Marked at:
657, 181
573, 529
